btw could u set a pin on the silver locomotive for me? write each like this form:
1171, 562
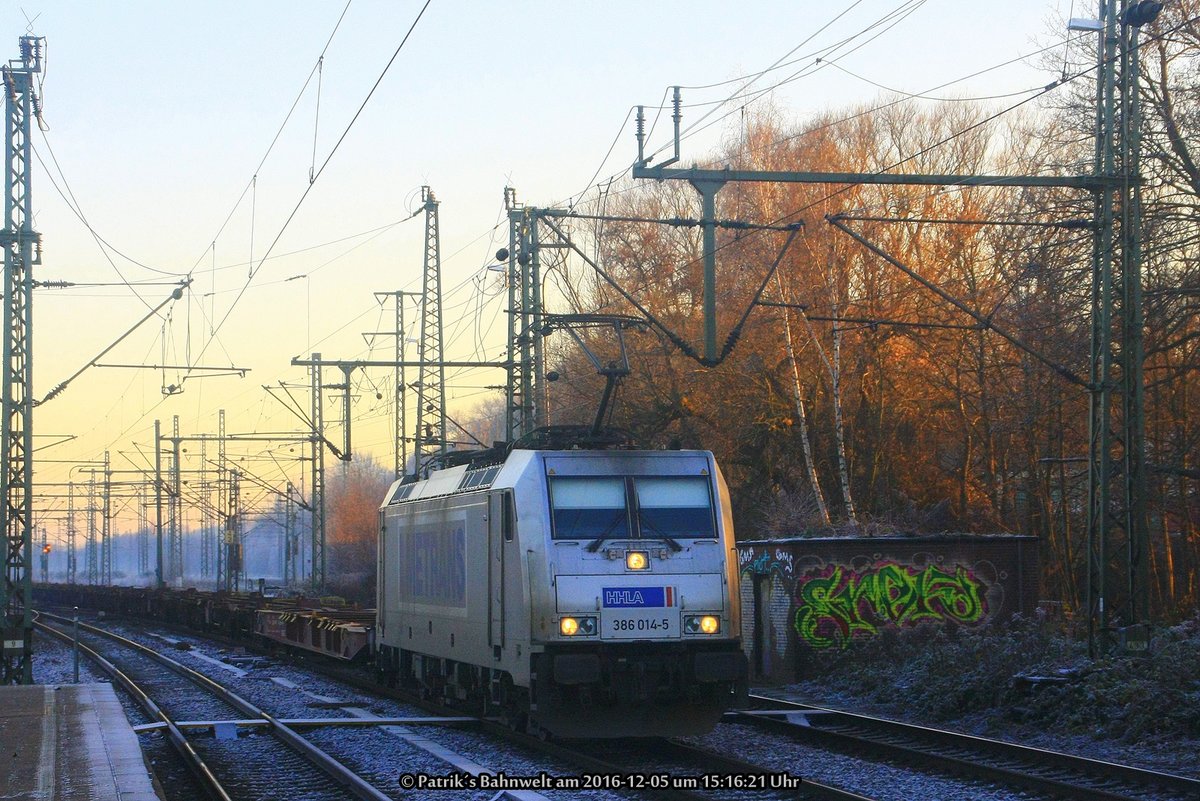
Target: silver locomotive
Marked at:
582, 593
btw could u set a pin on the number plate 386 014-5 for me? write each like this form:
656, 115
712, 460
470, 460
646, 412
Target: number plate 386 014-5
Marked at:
639, 613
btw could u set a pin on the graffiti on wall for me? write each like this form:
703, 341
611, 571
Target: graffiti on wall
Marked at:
779, 561
835, 604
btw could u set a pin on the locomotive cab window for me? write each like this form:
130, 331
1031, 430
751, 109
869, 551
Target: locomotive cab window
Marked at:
677, 507
588, 507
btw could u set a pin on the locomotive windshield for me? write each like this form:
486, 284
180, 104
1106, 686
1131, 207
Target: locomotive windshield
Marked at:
675, 507
585, 508
596, 508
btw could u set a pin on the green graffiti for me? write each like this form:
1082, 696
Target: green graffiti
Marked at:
835, 605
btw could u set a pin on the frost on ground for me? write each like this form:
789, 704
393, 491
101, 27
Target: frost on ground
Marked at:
1135, 710
287, 691
53, 663
876, 780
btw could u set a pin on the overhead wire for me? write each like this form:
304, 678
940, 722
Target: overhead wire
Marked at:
262, 259
874, 109
745, 81
793, 214
73, 204
337, 145
862, 112
279, 132
493, 230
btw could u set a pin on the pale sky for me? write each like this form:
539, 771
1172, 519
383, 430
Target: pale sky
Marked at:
158, 114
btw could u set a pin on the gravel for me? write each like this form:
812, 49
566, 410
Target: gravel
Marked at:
877, 780
377, 755
381, 757
53, 663
1170, 756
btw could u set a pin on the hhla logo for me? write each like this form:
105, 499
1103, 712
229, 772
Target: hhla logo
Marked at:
638, 596
623, 598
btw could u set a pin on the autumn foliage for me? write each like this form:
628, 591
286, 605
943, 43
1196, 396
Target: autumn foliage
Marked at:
917, 415
353, 493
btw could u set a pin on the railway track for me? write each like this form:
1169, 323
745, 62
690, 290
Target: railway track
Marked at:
666, 768
286, 766
671, 769
653, 767
1046, 772
647, 768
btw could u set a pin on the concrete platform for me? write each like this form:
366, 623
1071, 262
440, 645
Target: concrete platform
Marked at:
69, 743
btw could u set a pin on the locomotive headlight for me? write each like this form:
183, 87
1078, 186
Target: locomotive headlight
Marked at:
636, 560
577, 626
701, 624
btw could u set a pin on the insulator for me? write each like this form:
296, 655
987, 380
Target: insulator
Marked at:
677, 104
641, 122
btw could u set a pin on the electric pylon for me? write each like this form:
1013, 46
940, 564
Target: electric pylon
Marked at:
523, 408
233, 535
93, 564
143, 536
430, 439
71, 530
106, 526
22, 250
222, 502
317, 418
1118, 536
400, 416
175, 508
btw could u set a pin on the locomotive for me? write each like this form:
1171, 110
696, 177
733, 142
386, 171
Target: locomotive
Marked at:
577, 591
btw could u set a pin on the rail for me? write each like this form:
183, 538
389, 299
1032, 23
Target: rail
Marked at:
1023, 766
331, 766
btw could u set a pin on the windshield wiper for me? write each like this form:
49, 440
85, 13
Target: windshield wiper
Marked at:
594, 544
658, 535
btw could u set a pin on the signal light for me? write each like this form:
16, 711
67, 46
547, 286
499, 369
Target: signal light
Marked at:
45, 549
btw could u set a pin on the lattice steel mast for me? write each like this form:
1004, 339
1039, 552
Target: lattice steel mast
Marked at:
205, 514
93, 564
524, 408
222, 552
400, 416
22, 250
71, 530
430, 439
175, 510
317, 493
1117, 536
233, 535
106, 544
143, 535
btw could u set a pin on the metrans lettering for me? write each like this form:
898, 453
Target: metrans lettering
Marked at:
638, 596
